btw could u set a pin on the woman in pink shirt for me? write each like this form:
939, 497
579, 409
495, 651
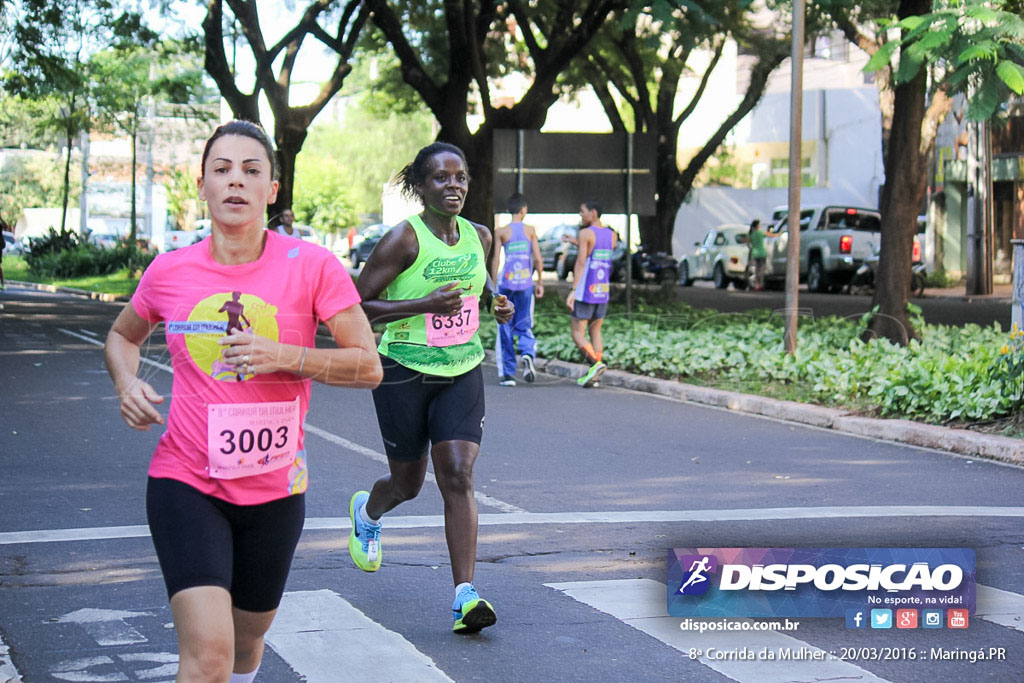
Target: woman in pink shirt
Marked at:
225, 497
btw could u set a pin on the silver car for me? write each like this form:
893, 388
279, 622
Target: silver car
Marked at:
721, 257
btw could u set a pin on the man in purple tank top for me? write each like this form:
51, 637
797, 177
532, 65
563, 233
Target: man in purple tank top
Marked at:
519, 243
588, 300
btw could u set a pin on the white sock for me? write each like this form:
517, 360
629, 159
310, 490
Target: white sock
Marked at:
458, 589
363, 515
244, 678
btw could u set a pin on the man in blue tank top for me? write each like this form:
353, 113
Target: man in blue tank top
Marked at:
519, 244
588, 299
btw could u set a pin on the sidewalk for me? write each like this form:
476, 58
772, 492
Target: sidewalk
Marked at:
1000, 292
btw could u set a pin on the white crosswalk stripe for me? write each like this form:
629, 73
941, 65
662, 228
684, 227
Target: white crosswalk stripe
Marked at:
1000, 607
640, 603
320, 634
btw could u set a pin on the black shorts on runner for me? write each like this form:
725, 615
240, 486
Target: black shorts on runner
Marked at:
415, 410
204, 541
584, 311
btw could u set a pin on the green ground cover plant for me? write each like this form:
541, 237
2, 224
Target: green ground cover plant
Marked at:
120, 282
952, 375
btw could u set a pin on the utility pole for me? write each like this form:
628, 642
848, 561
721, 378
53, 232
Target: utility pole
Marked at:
83, 196
796, 104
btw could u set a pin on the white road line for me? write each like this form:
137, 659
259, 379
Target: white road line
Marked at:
481, 498
524, 518
325, 639
97, 342
1000, 607
8, 672
640, 603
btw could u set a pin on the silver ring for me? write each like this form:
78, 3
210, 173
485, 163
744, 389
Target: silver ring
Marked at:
245, 359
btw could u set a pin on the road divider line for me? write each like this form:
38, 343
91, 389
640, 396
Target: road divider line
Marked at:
609, 517
481, 498
316, 632
640, 603
97, 342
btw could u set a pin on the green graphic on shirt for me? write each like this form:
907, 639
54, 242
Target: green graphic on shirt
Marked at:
215, 315
445, 269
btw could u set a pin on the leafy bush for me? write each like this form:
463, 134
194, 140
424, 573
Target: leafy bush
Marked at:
64, 255
952, 373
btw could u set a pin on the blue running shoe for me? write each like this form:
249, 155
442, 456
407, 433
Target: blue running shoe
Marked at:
471, 613
364, 541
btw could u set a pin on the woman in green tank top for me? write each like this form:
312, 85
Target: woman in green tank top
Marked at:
427, 280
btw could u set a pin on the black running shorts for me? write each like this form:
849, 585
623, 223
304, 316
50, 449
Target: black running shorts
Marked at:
204, 541
415, 410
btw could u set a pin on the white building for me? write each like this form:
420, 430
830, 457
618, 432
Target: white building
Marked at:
841, 142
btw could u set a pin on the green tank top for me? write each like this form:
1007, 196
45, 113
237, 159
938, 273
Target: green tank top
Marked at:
437, 344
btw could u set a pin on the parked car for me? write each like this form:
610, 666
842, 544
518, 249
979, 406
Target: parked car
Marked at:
365, 241
13, 247
559, 254
306, 233
552, 246
720, 257
834, 241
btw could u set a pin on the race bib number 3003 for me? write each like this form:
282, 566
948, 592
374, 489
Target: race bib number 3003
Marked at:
245, 439
448, 330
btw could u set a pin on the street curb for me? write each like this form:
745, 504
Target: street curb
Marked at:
53, 289
959, 441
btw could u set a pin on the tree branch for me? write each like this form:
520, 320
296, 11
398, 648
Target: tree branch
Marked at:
685, 114
412, 69
775, 52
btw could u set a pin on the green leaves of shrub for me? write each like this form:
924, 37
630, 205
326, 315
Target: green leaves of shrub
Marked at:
952, 373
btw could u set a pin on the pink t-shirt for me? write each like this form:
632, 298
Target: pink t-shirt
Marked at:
215, 418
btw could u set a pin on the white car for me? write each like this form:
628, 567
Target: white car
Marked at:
721, 257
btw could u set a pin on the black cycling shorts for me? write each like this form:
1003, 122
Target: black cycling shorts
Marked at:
204, 541
415, 410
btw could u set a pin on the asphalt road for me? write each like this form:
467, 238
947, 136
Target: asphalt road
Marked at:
937, 306
581, 493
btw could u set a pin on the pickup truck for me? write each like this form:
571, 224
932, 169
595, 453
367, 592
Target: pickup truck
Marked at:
834, 241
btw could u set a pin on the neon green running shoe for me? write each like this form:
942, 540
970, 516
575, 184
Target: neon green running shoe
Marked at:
595, 371
364, 540
471, 612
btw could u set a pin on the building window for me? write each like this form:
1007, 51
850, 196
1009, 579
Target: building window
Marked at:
778, 175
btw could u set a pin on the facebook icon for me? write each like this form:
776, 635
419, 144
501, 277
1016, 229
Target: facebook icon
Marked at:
855, 618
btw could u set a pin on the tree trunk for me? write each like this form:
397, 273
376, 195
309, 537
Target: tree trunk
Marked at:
905, 178
656, 231
67, 178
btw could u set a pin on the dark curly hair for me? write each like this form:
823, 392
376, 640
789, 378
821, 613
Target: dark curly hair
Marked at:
415, 173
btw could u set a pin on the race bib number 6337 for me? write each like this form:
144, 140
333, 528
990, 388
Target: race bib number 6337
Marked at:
448, 330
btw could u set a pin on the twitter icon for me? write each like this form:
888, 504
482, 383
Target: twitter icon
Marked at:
881, 618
